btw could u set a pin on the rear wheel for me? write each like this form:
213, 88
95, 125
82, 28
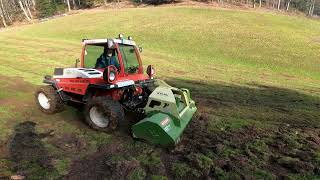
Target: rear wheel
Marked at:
48, 100
103, 113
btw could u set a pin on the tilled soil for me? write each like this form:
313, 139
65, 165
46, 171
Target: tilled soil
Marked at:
246, 153
240, 154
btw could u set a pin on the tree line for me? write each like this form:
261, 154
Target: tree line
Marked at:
309, 7
18, 10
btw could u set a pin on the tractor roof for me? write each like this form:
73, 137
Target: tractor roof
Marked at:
105, 41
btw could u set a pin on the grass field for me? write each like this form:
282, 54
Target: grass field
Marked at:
255, 77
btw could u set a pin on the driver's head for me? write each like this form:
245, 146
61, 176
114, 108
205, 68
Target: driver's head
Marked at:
109, 52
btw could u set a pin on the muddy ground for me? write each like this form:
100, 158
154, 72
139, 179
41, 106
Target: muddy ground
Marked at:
248, 153
279, 151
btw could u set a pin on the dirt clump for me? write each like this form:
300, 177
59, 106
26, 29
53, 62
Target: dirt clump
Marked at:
118, 169
100, 166
109, 162
69, 143
294, 150
295, 165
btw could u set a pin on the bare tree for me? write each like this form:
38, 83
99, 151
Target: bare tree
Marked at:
254, 3
279, 3
288, 4
219, 1
26, 4
74, 4
260, 3
9, 8
3, 18
24, 10
68, 3
311, 7
5, 13
34, 5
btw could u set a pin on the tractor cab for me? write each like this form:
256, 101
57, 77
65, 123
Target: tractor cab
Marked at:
118, 59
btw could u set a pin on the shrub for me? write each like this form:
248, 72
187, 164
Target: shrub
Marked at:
45, 8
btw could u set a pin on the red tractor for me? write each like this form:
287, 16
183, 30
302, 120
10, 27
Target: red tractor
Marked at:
110, 79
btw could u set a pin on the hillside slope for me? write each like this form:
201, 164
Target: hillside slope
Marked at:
254, 76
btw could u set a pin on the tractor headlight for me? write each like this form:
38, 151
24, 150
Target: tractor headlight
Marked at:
112, 76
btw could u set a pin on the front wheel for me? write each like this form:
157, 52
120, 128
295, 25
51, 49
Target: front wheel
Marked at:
48, 100
103, 113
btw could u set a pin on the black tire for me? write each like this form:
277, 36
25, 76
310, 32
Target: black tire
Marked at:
55, 103
108, 109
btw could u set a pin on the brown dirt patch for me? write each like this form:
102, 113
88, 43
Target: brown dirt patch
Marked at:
209, 102
14, 103
16, 84
288, 76
70, 143
264, 75
316, 39
100, 165
27, 151
179, 72
12, 85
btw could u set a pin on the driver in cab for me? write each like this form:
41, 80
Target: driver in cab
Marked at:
106, 59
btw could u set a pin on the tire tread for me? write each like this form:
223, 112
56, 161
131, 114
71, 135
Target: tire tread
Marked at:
56, 104
110, 106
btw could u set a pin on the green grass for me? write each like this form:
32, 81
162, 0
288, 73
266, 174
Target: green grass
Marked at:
243, 68
191, 38
137, 174
180, 170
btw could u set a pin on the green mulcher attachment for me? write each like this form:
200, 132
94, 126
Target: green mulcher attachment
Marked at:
168, 110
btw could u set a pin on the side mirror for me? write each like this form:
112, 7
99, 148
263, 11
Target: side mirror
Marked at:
77, 61
150, 71
140, 49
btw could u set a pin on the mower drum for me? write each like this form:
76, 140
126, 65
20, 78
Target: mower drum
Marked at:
169, 110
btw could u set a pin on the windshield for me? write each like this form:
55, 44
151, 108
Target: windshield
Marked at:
96, 57
129, 58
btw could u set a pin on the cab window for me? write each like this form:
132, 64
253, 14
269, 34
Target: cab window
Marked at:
92, 53
129, 58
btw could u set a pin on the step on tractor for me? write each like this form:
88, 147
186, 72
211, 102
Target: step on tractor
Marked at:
109, 80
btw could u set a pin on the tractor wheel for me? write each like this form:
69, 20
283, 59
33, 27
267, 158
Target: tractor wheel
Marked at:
48, 100
103, 113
